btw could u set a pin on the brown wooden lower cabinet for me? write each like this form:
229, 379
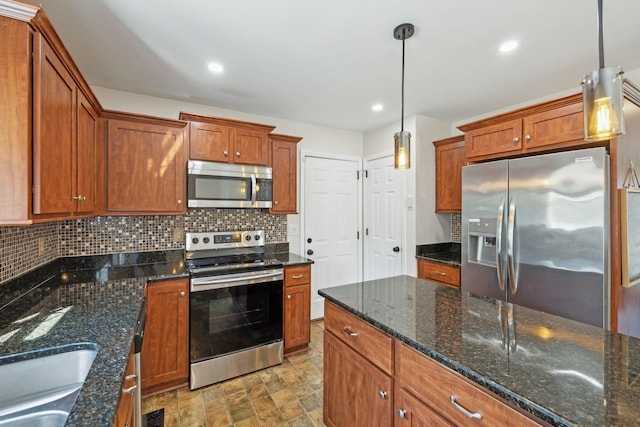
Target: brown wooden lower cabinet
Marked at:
356, 393
447, 275
125, 415
165, 348
297, 308
417, 391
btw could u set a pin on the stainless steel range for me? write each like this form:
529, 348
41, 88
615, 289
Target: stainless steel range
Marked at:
235, 306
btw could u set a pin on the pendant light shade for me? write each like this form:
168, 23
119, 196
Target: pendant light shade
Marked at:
602, 97
402, 139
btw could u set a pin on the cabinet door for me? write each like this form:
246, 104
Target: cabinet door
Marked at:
146, 168
165, 354
297, 315
495, 140
560, 126
249, 147
411, 412
450, 157
285, 175
54, 140
356, 393
209, 142
87, 125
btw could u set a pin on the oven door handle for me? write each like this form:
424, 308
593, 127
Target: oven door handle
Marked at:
207, 283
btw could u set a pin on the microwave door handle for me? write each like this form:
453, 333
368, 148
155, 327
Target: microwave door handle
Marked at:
253, 188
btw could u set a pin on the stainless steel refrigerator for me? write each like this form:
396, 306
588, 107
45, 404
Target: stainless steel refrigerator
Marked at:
535, 232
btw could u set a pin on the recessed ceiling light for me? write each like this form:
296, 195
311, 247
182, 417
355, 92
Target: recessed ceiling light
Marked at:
215, 67
377, 107
509, 46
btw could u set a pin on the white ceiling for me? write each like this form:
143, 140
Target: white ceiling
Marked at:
326, 62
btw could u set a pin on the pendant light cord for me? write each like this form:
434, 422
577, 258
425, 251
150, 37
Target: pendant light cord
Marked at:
600, 35
404, 36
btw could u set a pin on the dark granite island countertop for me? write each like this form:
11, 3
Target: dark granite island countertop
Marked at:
564, 372
84, 300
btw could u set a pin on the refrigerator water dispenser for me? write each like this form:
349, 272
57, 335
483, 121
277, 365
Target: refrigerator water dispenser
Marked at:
482, 241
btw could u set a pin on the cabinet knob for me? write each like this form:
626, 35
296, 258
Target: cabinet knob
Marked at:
275, 202
516, 139
237, 154
288, 296
182, 293
76, 197
226, 153
402, 413
527, 137
382, 394
179, 201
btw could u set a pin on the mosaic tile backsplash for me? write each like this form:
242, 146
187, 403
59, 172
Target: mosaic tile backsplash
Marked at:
104, 235
456, 228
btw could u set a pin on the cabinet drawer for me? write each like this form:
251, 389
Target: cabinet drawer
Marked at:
365, 339
439, 385
297, 275
441, 273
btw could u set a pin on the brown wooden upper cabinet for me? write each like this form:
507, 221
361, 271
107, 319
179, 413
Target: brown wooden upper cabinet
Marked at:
284, 161
48, 160
450, 158
544, 127
231, 141
146, 165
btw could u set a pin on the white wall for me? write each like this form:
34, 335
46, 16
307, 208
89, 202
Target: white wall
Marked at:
317, 139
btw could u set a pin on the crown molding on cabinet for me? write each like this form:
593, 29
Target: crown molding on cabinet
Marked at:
17, 10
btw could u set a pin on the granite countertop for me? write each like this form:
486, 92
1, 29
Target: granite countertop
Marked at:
444, 253
84, 300
96, 300
562, 371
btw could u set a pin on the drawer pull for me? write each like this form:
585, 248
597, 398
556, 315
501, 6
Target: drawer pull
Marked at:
402, 413
129, 390
348, 331
382, 394
130, 377
475, 415
440, 273
297, 276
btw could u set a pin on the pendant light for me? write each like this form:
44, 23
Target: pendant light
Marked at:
602, 97
402, 139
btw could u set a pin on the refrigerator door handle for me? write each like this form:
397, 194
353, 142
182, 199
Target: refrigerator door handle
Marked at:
512, 269
499, 265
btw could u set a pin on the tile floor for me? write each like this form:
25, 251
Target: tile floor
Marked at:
285, 395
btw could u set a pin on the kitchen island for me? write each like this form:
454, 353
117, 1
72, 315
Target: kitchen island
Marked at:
553, 370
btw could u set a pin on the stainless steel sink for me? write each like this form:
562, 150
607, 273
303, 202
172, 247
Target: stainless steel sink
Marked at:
42, 389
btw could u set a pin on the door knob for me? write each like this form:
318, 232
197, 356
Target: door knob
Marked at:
309, 240
396, 249
309, 252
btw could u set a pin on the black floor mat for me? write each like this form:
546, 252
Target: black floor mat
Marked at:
153, 419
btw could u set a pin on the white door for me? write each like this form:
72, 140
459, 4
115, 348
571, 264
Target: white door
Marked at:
331, 212
382, 220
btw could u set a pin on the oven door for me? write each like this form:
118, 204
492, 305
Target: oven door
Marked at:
235, 312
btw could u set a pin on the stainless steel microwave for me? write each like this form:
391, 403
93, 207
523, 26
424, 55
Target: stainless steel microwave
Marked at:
222, 185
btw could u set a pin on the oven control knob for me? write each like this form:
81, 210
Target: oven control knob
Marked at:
247, 237
205, 240
257, 237
195, 240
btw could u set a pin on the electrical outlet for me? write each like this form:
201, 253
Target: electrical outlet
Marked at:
178, 234
41, 247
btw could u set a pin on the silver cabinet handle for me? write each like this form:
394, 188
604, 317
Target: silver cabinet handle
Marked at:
76, 197
129, 390
288, 296
527, 137
440, 273
402, 413
131, 377
474, 415
226, 153
297, 276
182, 293
237, 154
348, 331
179, 201
275, 202
382, 394
516, 139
